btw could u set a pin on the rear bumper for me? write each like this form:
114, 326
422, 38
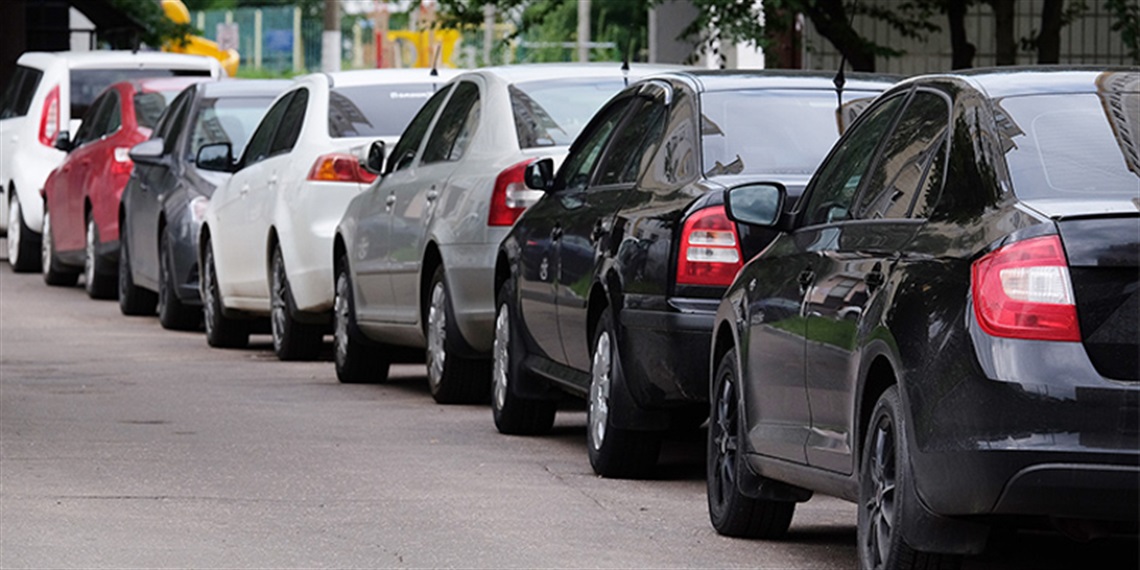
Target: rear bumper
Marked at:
665, 351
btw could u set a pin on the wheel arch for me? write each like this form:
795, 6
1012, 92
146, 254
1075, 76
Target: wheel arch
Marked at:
880, 376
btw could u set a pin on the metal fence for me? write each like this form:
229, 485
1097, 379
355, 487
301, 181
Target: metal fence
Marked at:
274, 39
1090, 39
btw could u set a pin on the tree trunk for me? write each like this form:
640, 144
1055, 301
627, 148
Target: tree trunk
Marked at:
1003, 30
1049, 40
962, 51
832, 22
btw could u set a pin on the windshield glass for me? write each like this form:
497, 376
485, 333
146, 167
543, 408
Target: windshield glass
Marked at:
1071, 145
772, 131
375, 110
229, 120
87, 84
552, 112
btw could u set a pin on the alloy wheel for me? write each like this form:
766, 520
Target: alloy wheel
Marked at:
279, 310
209, 294
89, 253
15, 228
437, 335
880, 504
600, 384
501, 357
45, 244
724, 442
340, 318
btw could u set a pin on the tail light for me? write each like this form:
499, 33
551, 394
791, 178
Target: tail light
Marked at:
49, 121
1023, 291
339, 167
122, 161
508, 200
710, 249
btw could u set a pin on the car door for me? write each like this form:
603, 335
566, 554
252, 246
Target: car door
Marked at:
14, 107
415, 203
81, 168
842, 312
778, 407
540, 278
368, 251
153, 184
586, 241
231, 206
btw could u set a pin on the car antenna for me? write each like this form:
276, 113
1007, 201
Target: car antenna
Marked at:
840, 80
625, 65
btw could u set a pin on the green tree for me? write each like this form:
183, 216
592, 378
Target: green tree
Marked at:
157, 29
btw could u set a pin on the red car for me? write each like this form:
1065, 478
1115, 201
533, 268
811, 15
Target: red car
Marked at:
81, 196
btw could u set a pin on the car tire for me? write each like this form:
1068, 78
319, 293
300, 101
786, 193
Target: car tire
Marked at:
100, 279
614, 452
884, 478
451, 378
731, 512
358, 360
23, 243
173, 314
292, 340
133, 300
514, 414
54, 272
221, 331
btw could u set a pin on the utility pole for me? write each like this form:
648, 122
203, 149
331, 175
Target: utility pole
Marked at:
583, 30
330, 38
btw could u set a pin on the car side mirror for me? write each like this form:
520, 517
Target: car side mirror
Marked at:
148, 152
63, 142
756, 204
540, 174
217, 157
373, 159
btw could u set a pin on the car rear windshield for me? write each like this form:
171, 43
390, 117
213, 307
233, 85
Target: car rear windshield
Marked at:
1071, 145
87, 84
774, 131
19, 92
149, 105
229, 120
375, 110
552, 112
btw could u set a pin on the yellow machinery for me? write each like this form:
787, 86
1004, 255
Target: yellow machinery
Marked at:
197, 45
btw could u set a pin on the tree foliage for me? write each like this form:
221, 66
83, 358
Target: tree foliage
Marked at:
157, 29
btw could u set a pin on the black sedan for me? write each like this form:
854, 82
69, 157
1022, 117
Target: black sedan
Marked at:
945, 330
166, 196
608, 284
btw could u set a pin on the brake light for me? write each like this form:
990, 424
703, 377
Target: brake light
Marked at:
508, 200
122, 161
49, 120
1023, 291
339, 167
710, 249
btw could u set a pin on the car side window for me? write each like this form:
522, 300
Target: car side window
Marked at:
642, 130
405, 150
833, 189
456, 125
575, 172
114, 115
19, 92
258, 147
89, 128
897, 180
291, 123
175, 122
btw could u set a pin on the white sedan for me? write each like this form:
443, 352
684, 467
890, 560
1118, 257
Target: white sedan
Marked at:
266, 243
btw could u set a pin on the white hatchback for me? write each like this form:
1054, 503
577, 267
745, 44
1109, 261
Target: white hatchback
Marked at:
47, 96
265, 247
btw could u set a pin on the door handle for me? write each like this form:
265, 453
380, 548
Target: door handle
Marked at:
598, 231
432, 194
806, 277
556, 233
273, 180
244, 190
391, 199
874, 279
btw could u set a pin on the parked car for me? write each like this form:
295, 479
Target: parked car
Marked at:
166, 197
266, 243
987, 224
609, 283
81, 196
415, 253
47, 95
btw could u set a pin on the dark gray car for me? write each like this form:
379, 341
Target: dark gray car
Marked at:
166, 196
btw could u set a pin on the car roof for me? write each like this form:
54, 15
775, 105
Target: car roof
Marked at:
743, 79
545, 71
116, 59
164, 83
1001, 82
245, 87
382, 76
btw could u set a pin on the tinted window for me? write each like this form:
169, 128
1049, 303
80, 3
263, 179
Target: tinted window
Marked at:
833, 189
291, 123
769, 130
149, 107
405, 151
552, 112
575, 172
258, 147
226, 120
643, 129
894, 183
87, 84
375, 110
19, 92
173, 121
456, 125
95, 120
114, 115
1071, 146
